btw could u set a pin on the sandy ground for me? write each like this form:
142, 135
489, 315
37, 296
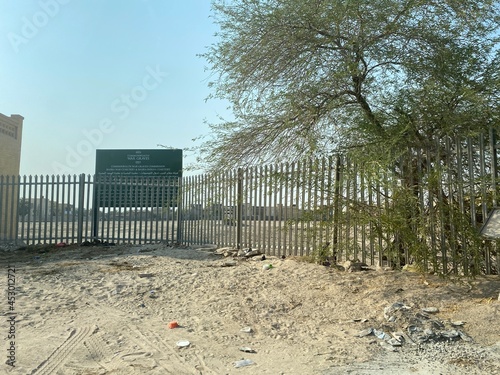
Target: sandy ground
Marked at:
105, 310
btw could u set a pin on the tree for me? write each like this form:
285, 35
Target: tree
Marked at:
24, 207
309, 78
383, 81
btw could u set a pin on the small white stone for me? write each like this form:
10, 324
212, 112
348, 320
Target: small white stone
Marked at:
430, 310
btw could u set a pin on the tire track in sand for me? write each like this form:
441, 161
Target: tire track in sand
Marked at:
101, 354
181, 364
171, 364
174, 363
62, 353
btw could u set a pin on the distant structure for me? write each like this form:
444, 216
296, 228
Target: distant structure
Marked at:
11, 131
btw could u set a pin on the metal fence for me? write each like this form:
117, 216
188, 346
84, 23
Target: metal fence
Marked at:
426, 208
78, 208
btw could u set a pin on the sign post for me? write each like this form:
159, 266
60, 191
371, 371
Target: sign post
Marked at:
123, 178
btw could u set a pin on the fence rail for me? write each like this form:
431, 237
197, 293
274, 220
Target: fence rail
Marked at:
427, 208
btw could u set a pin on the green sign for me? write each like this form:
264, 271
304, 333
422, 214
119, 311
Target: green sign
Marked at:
139, 163
138, 178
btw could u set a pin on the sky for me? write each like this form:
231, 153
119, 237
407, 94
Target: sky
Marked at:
105, 74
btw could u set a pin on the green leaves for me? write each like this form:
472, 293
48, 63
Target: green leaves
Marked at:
309, 77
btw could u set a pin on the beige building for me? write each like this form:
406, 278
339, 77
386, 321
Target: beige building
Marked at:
11, 130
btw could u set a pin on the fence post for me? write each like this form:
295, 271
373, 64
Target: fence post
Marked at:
494, 171
13, 208
18, 198
95, 208
81, 208
239, 211
180, 202
336, 208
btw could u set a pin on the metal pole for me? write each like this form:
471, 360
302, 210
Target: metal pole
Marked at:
95, 210
179, 210
18, 197
494, 171
336, 208
81, 208
239, 218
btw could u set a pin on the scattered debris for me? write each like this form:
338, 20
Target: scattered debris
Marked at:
97, 243
246, 349
11, 246
387, 346
232, 252
381, 335
390, 310
248, 253
355, 266
414, 325
173, 325
243, 363
226, 251
183, 343
365, 332
362, 320
430, 310
465, 336
247, 330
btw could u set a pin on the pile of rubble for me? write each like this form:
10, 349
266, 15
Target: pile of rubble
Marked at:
242, 253
404, 324
11, 246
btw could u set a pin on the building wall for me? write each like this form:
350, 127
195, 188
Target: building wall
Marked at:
11, 130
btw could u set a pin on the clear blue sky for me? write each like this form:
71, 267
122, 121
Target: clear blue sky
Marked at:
104, 74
